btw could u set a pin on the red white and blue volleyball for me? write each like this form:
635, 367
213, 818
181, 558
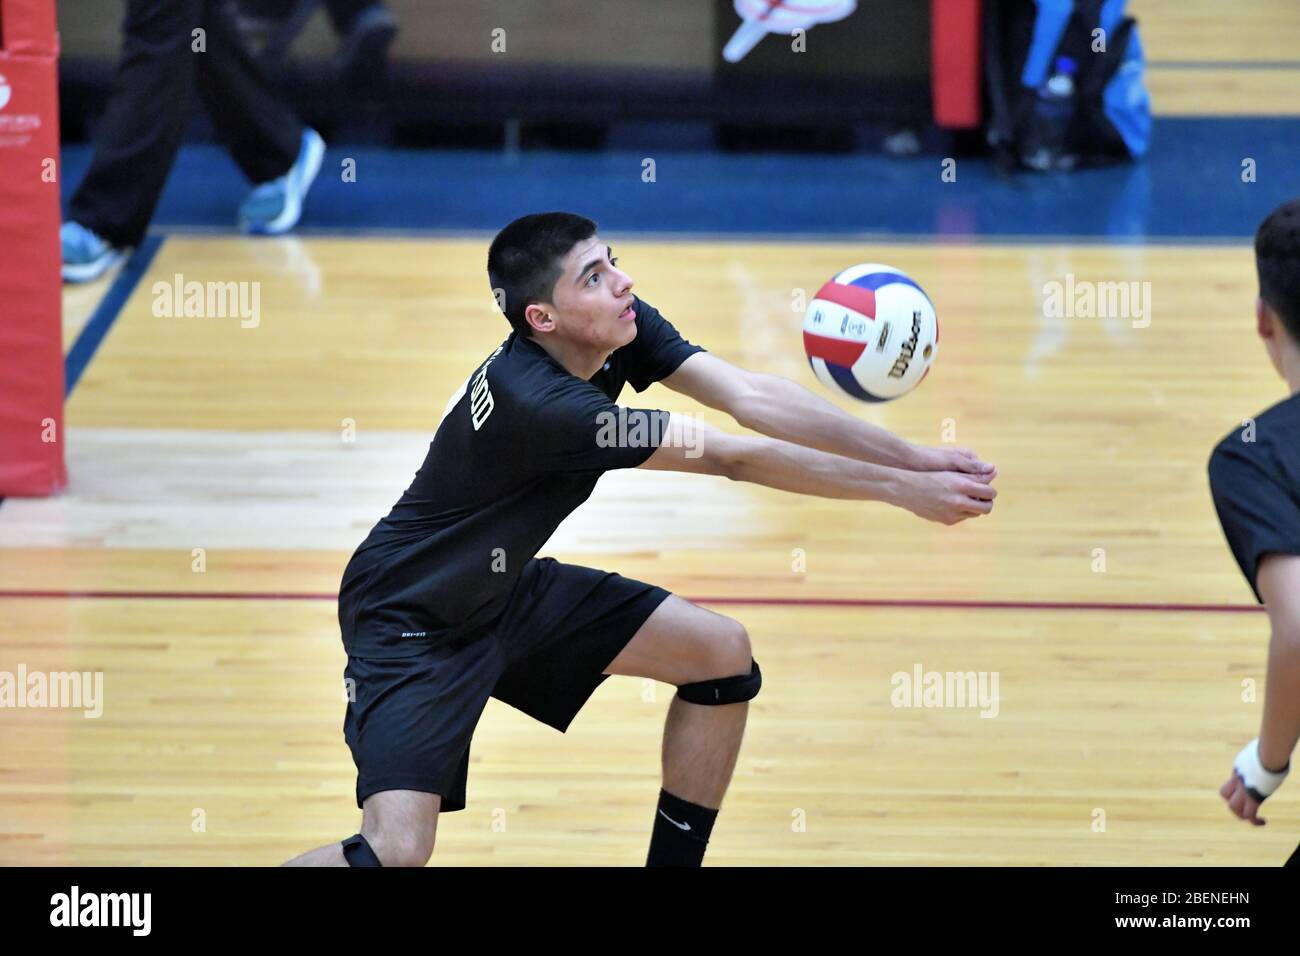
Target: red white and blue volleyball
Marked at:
871, 333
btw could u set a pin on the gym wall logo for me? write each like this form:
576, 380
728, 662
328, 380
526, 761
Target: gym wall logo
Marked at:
758, 18
15, 128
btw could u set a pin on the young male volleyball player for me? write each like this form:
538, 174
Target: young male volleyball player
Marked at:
1255, 479
445, 604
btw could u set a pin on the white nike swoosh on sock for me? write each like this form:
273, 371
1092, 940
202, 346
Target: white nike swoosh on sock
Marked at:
680, 826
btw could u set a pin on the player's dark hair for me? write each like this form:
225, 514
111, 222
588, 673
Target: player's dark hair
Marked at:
524, 260
1277, 258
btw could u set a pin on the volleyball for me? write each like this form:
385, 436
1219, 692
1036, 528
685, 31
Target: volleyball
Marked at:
871, 333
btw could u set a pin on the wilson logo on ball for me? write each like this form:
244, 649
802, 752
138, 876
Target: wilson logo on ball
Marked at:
908, 350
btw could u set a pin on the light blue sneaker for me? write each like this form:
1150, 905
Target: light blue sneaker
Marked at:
85, 255
273, 208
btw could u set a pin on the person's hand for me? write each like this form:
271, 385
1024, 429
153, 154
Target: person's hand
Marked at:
963, 460
1251, 784
946, 496
1239, 801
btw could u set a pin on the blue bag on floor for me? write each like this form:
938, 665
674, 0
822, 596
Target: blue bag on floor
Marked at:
1065, 83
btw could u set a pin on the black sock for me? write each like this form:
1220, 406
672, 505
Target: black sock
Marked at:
681, 832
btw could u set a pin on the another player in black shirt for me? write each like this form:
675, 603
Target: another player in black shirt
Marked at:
446, 604
1255, 479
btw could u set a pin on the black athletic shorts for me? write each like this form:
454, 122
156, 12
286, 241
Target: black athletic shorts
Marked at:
410, 723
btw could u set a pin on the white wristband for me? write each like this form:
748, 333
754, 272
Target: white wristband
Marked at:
1259, 782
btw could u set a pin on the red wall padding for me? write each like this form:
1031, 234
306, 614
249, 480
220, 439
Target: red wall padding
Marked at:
955, 62
31, 302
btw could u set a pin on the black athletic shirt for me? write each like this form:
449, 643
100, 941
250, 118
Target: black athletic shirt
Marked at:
1255, 479
520, 446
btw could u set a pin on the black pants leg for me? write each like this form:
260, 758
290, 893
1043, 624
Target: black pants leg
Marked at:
137, 139
261, 131
343, 13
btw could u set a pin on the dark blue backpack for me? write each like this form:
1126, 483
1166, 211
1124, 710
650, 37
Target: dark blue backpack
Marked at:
1065, 83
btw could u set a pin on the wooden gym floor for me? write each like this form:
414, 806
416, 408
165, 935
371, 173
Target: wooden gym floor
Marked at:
1100, 592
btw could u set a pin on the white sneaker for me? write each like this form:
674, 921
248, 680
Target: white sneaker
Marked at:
273, 208
86, 256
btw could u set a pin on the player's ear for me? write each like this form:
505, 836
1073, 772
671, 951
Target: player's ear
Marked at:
1266, 324
1264, 318
539, 317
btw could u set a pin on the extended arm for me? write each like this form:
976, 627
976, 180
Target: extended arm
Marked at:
1279, 585
785, 410
1278, 580
691, 446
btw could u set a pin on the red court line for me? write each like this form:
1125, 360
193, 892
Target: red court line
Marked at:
935, 603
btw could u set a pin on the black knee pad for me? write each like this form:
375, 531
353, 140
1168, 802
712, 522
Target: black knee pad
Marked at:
358, 852
725, 690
